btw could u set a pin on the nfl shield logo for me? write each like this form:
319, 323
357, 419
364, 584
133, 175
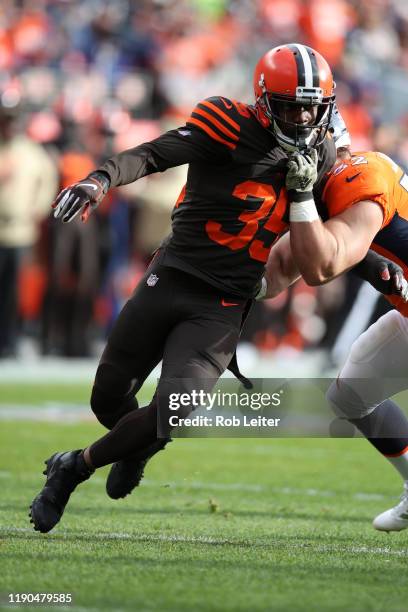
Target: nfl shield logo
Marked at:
152, 280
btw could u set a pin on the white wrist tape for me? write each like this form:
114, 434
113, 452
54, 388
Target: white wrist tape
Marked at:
262, 291
303, 212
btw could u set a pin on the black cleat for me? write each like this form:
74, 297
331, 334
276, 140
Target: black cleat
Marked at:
65, 471
125, 475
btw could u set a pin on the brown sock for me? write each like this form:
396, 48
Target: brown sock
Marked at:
135, 431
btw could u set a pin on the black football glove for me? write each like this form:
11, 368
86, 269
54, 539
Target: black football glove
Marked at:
383, 274
82, 197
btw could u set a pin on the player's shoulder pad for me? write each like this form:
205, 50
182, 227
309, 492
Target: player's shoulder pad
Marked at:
221, 119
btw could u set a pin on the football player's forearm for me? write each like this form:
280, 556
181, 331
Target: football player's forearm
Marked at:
318, 249
130, 165
319, 254
167, 151
281, 270
325, 250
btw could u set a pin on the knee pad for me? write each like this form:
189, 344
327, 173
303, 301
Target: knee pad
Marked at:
114, 381
376, 338
347, 398
112, 395
374, 370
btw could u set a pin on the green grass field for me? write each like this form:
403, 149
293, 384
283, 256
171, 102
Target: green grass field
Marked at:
234, 524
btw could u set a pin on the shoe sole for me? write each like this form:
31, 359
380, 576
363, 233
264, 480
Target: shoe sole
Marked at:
33, 518
390, 529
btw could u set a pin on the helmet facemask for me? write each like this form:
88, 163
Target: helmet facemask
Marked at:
294, 136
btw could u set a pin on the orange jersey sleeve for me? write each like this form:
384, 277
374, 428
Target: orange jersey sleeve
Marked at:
366, 176
375, 177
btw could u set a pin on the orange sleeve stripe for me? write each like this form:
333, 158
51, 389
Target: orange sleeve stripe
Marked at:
211, 132
215, 122
219, 112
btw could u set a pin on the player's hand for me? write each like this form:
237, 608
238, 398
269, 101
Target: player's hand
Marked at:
302, 171
393, 276
383, 274
82, 197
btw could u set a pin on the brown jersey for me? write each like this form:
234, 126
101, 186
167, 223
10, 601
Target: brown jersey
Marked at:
234, 204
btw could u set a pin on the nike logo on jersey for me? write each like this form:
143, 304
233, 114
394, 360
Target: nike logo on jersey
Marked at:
351, 178
224, 303
226, 104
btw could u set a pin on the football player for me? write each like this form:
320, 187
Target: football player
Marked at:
188, 309
366, 202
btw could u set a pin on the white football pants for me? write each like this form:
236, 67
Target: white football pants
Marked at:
376, 368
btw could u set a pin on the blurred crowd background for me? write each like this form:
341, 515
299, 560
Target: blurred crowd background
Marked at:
81, 79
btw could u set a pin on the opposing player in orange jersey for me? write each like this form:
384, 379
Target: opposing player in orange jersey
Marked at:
366, 203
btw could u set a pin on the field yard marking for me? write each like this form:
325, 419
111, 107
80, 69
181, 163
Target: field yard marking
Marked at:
127, 536
57, 412
369, 496
257, 488
319, 548
239, 486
